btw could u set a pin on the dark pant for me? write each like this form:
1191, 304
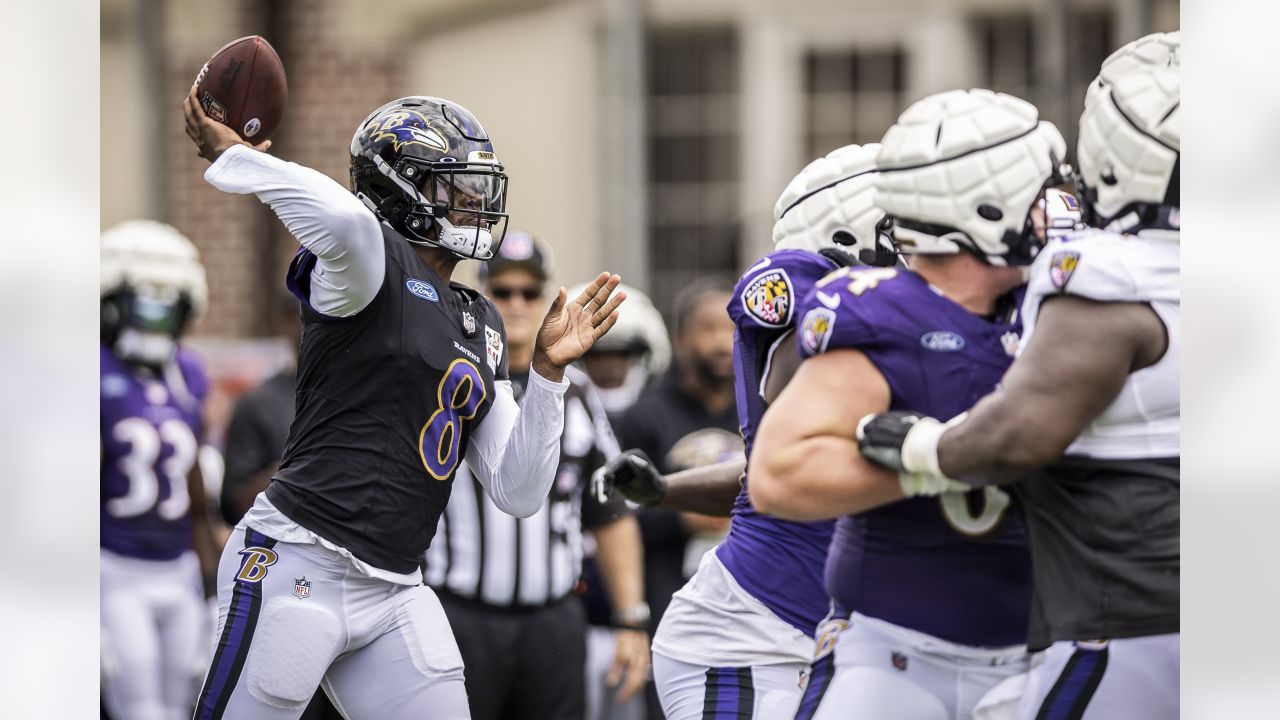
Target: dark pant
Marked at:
521, 664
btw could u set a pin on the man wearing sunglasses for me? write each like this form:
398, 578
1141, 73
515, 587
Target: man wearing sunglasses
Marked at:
507, 584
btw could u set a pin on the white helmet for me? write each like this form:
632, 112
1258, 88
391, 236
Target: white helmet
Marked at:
960, 170
1157, 50
152, 284
640, 330
1129, 152
831, 204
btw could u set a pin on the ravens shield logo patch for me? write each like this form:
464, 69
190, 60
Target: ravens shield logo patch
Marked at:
1062, 266
769, 298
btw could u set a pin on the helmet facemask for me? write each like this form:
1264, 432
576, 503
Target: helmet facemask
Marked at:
143, 325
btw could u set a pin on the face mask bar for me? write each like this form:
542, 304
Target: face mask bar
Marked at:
465, 203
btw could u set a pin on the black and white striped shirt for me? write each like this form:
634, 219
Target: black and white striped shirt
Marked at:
483, 554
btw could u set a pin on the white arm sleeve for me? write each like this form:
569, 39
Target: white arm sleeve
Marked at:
515, 450
325, 217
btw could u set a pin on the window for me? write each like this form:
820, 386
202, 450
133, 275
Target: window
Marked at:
693, 156
853, 96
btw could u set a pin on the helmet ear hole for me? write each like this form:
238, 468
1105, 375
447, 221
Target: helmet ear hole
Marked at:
844, 237
990, 212
1108, 177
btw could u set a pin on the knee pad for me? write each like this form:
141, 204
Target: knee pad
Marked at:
290, 652
426, 632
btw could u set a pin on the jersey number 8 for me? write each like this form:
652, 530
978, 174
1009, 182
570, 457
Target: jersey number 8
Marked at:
460, 393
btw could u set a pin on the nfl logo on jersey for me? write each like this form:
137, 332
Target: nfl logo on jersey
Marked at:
301, 587
468, 323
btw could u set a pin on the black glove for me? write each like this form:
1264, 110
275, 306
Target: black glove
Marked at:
880, 437
634, 476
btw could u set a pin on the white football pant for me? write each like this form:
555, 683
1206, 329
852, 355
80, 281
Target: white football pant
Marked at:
875, 669
292, 617
699, 692
154, 636
1130, 678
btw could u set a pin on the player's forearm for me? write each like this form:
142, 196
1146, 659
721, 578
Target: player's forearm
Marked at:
709, 490
516, 449
620, 557
322, 215
818, 478
998, 443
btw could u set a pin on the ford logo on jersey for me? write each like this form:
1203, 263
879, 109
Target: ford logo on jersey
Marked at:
942, 341
422, 289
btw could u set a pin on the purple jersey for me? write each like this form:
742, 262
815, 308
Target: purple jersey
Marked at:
955, 566
778, 561
150, 430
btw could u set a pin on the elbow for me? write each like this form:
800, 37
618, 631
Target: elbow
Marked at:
519, 507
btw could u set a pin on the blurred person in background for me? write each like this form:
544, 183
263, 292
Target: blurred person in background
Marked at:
158, 553
622, 365
402, 375
689, 419
508, 584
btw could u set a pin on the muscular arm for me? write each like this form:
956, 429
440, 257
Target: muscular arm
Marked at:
1073, 367
708, 490
805, 464
206, 544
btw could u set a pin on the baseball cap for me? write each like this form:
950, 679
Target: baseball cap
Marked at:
519, 249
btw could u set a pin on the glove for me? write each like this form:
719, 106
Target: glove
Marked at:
634, 476
908, 443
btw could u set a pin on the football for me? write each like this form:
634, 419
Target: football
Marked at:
243, 87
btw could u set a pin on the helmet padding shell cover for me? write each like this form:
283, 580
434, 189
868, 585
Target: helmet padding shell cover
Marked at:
831, 203
960, 170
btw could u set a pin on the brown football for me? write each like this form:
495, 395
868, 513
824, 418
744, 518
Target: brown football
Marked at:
243, 87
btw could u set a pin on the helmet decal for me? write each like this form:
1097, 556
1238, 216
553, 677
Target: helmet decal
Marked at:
409, 128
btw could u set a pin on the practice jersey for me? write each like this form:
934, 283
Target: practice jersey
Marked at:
151, 427
387, 399
780, 562
1144, 421
1105, 520
954, 566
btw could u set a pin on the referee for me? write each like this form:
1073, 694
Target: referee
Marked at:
507, 583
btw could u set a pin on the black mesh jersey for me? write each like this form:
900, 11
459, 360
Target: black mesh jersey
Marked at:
386, 401
1104, 548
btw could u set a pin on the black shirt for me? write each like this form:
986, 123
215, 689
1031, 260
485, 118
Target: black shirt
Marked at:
387, 400
657, 424
1104, 549
255, 437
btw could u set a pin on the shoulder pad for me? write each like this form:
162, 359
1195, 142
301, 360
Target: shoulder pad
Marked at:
767, 293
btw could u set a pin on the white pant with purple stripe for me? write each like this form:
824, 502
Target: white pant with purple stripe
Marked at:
869, 668
1130, 678
295, 616
698, 692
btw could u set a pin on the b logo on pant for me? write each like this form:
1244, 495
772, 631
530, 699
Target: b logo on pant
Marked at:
256, 561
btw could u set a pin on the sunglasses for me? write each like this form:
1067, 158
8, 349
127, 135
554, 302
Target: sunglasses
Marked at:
500, 292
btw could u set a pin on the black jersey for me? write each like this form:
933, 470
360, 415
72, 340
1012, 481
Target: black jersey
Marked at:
1104, 547
387, 399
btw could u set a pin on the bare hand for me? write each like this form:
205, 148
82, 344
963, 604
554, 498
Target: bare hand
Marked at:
211, 137
569, 330
631, 654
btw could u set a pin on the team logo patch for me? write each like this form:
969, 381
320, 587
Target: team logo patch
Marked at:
493, 347
468, 323
422, 289
1070, 201
302, 587
816, 331
252, 127
1062, 266
828, 632
768, 298
253, 568
942, 341
899, 661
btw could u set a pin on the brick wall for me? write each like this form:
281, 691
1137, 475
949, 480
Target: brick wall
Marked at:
331, 88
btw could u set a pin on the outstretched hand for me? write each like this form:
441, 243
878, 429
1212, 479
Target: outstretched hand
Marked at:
211, 137
571, 328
